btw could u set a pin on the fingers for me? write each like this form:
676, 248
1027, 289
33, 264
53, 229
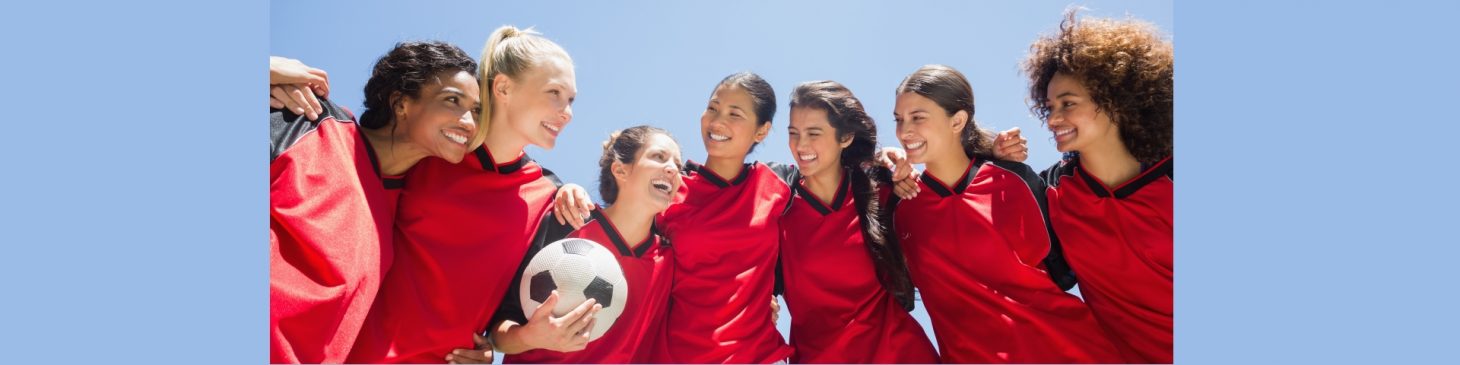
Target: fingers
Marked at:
907, 188
277, 93
581, 316
275, 103
544, 311
559, 204
466, 356
298, 100
585, 203
321, 85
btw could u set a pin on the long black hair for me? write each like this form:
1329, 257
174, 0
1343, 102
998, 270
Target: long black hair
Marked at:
850, 120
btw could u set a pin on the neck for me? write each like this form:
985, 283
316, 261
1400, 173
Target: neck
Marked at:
395, 153
725, 167
633, 224
1111, 163
824, 184
503, 146
950, 166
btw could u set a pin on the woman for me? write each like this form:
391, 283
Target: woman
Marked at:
839, 261
1104, 89
639, 175
333, 185
463, 227
976, 247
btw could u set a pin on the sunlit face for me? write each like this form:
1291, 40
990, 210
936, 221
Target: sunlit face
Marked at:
442, 120
729, 126
925, 129
653, 176
1074, 119
539, 103
814, 142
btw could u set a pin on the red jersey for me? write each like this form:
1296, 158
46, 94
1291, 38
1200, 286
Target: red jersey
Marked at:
975, 249
648, 271
725, 236
840, 312
1119, 243
461, 231
330, 214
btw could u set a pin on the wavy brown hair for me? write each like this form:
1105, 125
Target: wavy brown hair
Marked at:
1127, 65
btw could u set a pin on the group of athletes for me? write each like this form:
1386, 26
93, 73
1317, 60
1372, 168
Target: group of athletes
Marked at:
398, 235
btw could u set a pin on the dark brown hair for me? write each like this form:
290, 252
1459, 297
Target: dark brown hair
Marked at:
761, 94
951, 91
850, 120
404, 69
623, 146
1125, 64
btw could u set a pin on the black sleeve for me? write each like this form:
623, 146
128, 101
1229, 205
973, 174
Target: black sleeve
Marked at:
780, 287
285, 127
787, 173
548, 231
1054, 263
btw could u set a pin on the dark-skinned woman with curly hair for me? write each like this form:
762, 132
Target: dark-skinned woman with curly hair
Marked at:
1104, 89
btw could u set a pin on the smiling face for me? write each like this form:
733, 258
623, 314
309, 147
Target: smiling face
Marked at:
925, 129
1075, 121
729, 126
442, 120
539, 104
653, 176
814, 142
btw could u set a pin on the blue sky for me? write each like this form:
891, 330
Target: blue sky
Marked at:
655, 62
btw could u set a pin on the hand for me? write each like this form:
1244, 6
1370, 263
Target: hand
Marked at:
296, 98
482, 354
775, 310
564, 334
572, 205
1009, 145
904, 176
288, 81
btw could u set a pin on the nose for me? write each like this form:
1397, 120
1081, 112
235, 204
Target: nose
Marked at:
567, 114
466, 120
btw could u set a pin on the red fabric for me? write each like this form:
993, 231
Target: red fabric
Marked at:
840, 312
1121, 250
976, 258
461, 232
725, 241
329, 243
640, 324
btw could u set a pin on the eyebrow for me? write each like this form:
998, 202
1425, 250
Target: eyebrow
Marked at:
1064, 94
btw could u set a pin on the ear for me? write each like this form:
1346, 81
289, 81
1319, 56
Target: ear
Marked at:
501, 86
620, 172
762, 131
398, 103
846, 141
960, 120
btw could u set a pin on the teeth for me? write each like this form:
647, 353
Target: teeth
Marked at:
455, 138
913, 146
808, 157
719, 138
552, 128
660, 185
1062, 132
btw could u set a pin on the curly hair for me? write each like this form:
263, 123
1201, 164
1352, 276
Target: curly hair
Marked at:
404, 69
1128, 68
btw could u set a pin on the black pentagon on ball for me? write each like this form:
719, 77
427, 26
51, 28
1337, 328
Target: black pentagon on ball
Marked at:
577, 247
601, 290
542, 286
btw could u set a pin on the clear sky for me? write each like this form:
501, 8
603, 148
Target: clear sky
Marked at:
656, 62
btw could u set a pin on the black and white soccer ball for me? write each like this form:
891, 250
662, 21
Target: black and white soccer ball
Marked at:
578, 269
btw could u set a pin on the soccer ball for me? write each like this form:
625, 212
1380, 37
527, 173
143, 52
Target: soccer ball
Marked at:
578, 269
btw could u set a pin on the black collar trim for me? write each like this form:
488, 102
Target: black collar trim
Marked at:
490, 164
618, 239
837, 201
1148, 175
716, 179
958, 187
390, 183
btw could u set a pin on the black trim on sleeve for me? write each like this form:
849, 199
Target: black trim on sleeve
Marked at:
1054, 262
285, 127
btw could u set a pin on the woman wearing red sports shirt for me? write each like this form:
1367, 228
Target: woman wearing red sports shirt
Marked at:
1110, 200
976, 246
333, 185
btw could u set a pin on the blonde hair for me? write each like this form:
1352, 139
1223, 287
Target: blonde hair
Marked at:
512, 52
